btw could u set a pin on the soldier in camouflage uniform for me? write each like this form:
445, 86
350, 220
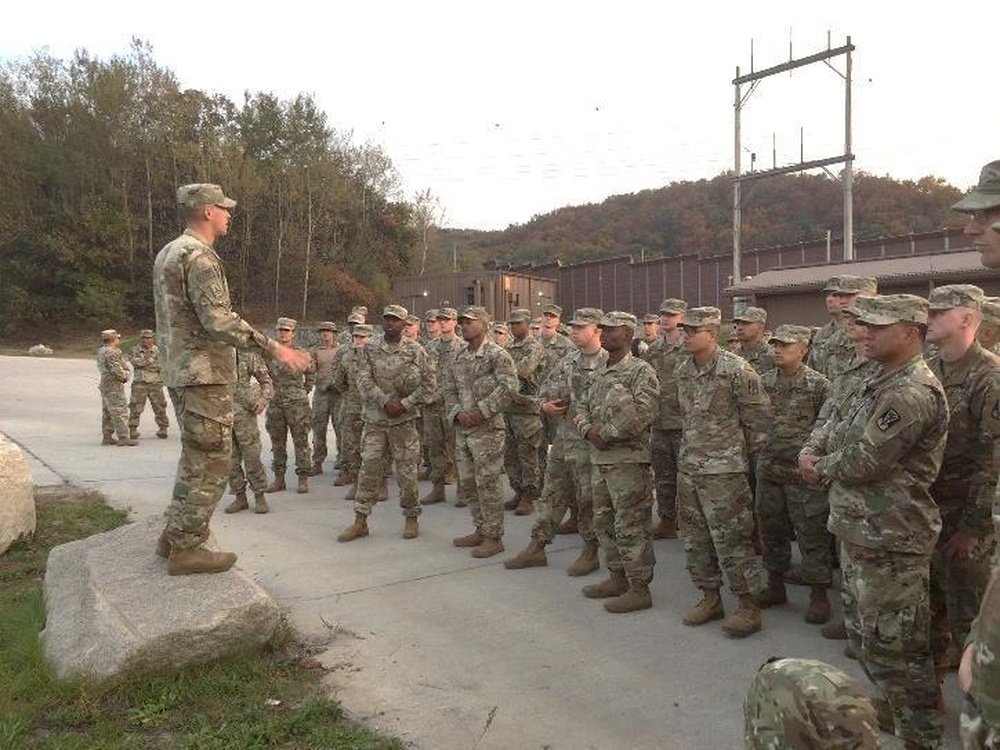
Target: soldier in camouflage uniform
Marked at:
500, 334
837, 351
665, 435
785, 503
614, 417
440, 431
325, 400
964, 488
197, 335
432, 330
802, 704
524, 421
147, 383
114, 375
481, 385
394, 375
251, 393
568, 482
724, 412
988, 334
879, 461
754, 347
556, 347
345, 382
288, 412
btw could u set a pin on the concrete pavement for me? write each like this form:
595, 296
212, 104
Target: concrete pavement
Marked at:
425, 642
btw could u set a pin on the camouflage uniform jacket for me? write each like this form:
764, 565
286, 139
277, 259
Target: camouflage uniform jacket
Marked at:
146, 364
529, 360
880, 458
289, 385
848, 385
322, 359
196, 328
840, 353
385, 371
442, 353
817, 348
483, 379
796, 401
620, 404
725, 413
965, 486
760, 357
345, 381
664, 356
984, 635
569, 381
556, 347
111, 365
250, 367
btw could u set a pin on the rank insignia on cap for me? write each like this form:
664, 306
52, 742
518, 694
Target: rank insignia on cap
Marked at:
888, 419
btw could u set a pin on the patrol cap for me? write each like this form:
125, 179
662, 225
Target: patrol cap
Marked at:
789, 334
520, 315
986, 194
362, 329
431, 315
991, 311
537, 322
110, 333
326, 325
289, 323
356, 318
859, 305
500, 328
832, 284
650, 318
360, 310
851, 284
395, 311
618, 318
146, 333
586, 315
752, 315
412, 320
552, 309
703, 316
475, 312
889, 309
673, 306
447, 313
202, 194
951, 296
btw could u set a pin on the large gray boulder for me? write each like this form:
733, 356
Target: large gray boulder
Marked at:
111, 606
17, 499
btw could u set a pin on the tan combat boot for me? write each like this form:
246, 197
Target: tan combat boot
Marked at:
184, 562
260, 503
569, 526
411, 528
513, 502
162, 433
133, 433
819, 606
356, 530
109, 440
665, 529
127, 441
636, 598
488, 547
708, 609
614, 585
469, 540
317, 469
277, 485
526, 503
434, 495
587, 562
834, 631
352, 493
240, 503
163, 545
774, 593
345, 478
532, 556
303, 487
745, 620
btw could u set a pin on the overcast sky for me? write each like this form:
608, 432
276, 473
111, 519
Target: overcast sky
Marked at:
510, 109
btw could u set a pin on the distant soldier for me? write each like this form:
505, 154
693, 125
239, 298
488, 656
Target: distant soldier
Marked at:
251, 394
147, 383
751, 325
830, 355
650, 328
345, 382
357, 317
114, 375
556, 346
482, 384
536, 327
346, 342
325, 400
988, 334
432, 328
500, 334
440, 430
412, 328
289, 412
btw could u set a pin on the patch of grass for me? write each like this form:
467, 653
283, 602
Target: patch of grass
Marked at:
259, 699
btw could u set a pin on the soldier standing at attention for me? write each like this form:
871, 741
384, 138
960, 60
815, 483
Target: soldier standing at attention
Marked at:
431, 332
289, 412
324, 399
817, 349
345, 475
500, 334
432, 329
198, 334
345, 382
614, 418
393, 376
147, 383
440, 434
838, 350
249, 401
724, 412
482, 383
879, 460
988, 334
556, 346
114, 375
650, 328
412, 328
751, 327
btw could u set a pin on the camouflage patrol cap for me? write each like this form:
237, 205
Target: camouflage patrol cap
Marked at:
362, 329
951, 296
395, 311
360, 310
110, 333
290, 323
858, 306
650, 318
447, 313
202, 194
552, 309
356, 318
412, 320
991, 311
986, 194
703, 316
794, 704
889, 309
851, 284
618, 318
832, 284
326, 325
146, 333
672, 306
431, 315
537, 323
752, 315
499, 328
587, 315
789, 334
475, 312
520, 315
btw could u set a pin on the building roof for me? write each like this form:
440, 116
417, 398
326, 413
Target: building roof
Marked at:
964, 265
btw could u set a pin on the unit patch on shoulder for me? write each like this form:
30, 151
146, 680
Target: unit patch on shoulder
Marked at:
888, 418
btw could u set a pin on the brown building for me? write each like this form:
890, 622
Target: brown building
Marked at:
498, 290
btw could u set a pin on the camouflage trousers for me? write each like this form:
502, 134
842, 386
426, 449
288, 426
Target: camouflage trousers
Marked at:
784, 508
439, 437
976, 734
479, 458
888, 623
567, 484
351, 426
285, 417
380, 446
113, 411
246, 453
664, 447
205, 416
622, 521
157, 401
324, 413
713, 511
520, 460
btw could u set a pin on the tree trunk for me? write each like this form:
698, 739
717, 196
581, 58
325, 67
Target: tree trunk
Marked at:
309, 234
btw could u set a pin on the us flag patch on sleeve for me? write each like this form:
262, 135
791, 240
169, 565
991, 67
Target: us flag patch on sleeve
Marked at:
888, 418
